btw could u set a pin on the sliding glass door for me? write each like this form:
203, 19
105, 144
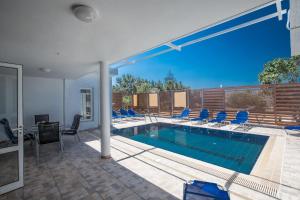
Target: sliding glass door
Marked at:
11, 127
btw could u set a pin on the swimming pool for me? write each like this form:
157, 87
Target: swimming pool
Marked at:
232, 150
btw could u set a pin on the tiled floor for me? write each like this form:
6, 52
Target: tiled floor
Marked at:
136, 171
291, 169
8, 168
78, 173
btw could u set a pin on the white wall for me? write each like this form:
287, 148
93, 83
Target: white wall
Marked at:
73, 99
42, 96
45, 96
295, 27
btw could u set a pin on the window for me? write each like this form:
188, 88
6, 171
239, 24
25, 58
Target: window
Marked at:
86, 103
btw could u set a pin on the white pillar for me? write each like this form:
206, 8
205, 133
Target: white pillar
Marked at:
64, 102
105, 109
110, 98
295, 26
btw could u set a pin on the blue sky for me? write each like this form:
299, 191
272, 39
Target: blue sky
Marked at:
232, 59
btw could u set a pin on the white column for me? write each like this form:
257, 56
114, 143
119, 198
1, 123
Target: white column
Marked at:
105, 109
295, 26
64, 102
110, 98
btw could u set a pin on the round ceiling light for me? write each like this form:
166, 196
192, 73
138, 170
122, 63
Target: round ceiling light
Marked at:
46, 70
85, 13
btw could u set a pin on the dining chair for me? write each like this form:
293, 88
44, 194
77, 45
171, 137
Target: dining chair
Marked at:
41, 118
47, 133
73, 130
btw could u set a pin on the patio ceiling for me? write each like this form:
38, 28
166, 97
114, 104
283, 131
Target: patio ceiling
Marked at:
45, 34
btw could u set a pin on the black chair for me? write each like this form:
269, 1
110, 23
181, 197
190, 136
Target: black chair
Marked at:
10, 133
41, 118
74, 128
47, 133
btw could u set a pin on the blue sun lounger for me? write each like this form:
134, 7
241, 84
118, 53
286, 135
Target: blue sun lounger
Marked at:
184, 114
132, 113
220, 118
293, 128
241, 118
116, 116
124, 113
203, 190
203, 116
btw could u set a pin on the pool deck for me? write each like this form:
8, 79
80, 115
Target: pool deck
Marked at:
270, 170
139, 171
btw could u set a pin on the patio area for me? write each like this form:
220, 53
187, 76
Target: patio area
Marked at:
140, 171
63, 86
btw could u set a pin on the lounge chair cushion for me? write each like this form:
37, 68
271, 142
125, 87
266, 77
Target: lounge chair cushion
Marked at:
204, 189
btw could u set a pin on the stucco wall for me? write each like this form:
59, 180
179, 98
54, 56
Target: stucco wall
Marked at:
42, 96
295, 26
73, 99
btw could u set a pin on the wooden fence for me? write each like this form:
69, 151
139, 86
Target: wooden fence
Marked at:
267, 104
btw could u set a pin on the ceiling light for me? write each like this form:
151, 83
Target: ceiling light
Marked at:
85, 13
46, 70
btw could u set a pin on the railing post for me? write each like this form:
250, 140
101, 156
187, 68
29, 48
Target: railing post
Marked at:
158, 103
202, 98
172, 102
187, 93
274, 102
147, 102
224, 99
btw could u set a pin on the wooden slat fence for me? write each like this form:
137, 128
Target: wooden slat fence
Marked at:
267, 104
117, 100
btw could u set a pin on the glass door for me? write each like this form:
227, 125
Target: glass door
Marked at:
11, 128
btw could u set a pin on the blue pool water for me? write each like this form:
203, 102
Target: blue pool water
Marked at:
232, 150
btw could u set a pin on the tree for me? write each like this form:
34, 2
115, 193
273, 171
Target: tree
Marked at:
129, 84
159, 85
125, 84
170, 77
126, 100
169, 85
280, 70
144, 87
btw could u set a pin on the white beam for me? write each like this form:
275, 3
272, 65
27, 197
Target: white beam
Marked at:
234, 28
279, 9
173, 46
105, 109
124, 61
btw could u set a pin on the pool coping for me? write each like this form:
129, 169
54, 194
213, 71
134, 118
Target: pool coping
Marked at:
268, 141
258, 169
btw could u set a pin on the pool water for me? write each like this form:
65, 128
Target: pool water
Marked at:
232, 150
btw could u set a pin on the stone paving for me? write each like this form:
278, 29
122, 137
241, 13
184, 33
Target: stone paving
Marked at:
290, 178
78, 173
136, 171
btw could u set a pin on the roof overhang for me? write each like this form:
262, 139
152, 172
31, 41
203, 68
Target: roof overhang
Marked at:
46, 34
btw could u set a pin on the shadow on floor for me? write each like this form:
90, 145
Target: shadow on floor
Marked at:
79, 173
